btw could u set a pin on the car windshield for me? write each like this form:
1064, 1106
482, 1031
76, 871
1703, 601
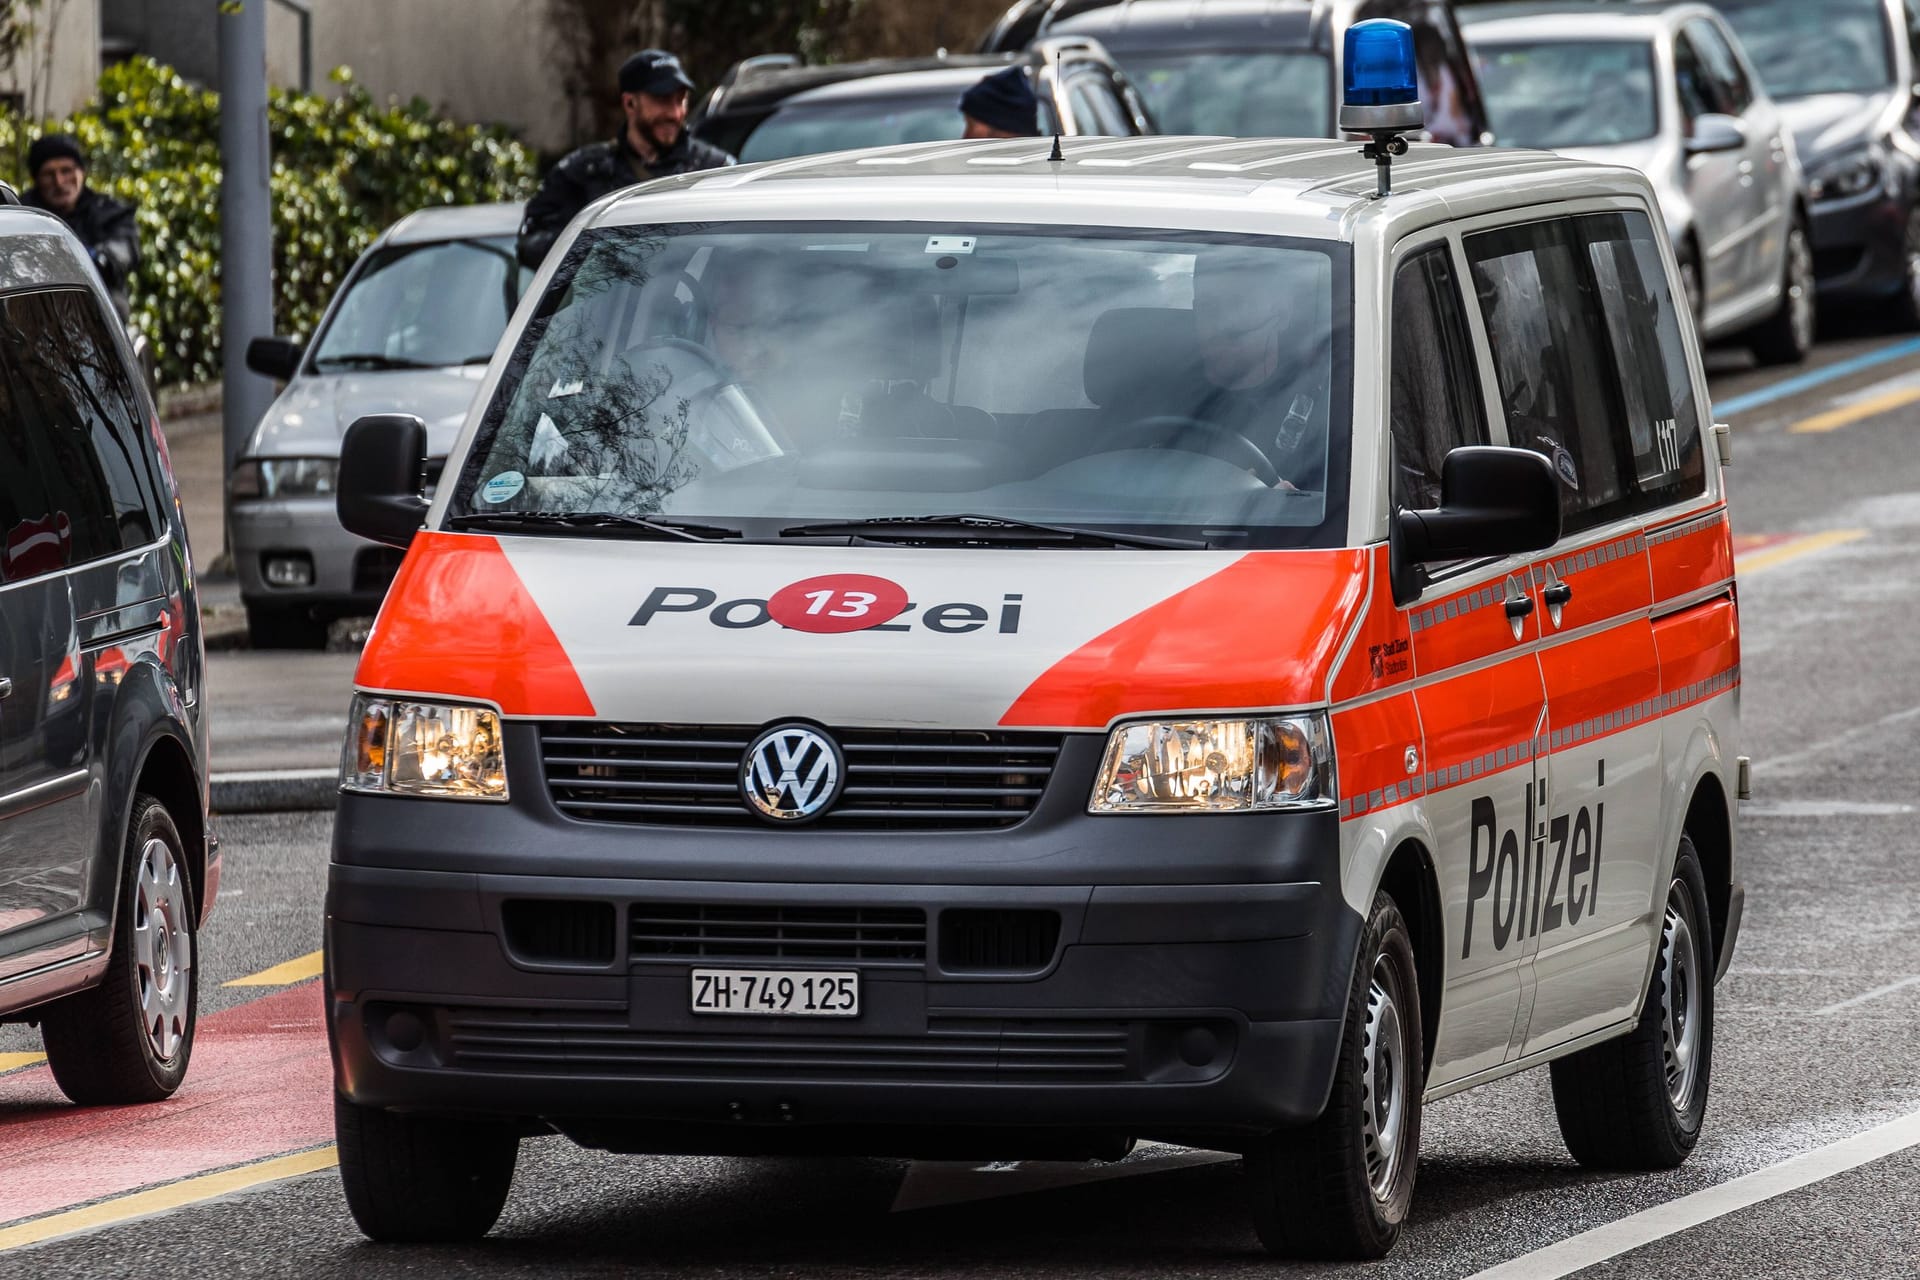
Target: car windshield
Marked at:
1802, 48
808, 128
1262, 94
1553, 94
445, 302
755, 377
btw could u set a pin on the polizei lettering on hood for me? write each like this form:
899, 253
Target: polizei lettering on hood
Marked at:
832, 604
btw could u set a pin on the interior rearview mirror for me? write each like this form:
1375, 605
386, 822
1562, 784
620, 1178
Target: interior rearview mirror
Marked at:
275, 358
383, 465
1713, 132
1493, 502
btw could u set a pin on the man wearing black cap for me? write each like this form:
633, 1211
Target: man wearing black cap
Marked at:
105, 226
654, 91
1001, 106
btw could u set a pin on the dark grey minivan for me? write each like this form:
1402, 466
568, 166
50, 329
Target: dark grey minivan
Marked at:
108, 867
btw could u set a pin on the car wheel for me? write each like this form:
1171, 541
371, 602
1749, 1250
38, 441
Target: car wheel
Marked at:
1903, 309
128, 1039
422, 1179
1638, 1102
1340, 1187
269, 627
1787, 335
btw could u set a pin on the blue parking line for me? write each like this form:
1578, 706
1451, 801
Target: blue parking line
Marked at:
1807, 381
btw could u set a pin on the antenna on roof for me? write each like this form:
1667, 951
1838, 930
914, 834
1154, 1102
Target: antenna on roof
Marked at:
1382, 93
1055, 155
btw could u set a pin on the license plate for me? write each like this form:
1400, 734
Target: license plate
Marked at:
777, 992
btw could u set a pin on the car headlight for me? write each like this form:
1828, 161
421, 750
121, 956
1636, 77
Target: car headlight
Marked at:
1216, 766
283, 477
1853, 174
399, 747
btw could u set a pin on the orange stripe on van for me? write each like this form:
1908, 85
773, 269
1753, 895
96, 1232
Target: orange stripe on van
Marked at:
1262, 632
459, 622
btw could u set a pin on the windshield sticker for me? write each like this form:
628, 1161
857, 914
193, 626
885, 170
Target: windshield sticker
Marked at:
950, 244
563, 388
503, 486
548, 446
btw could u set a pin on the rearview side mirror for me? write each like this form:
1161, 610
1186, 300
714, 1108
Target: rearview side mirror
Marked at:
1713, 132
275, 358
383, 463
1493, 502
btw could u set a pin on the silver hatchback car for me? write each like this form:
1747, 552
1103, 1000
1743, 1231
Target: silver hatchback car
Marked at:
411, 329
1667, 90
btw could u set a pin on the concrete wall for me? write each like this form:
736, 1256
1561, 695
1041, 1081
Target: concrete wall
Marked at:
56, 85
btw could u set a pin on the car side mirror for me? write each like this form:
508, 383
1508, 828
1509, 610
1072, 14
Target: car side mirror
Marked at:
275, 358
1713, 132
383, 464
1493, 502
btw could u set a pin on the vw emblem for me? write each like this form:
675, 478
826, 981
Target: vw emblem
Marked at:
791, 773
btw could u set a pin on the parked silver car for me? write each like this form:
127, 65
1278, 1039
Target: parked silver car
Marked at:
411, 330
1667, 90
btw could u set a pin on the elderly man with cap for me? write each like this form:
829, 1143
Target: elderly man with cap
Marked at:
105, 226
1001, 106
654, 91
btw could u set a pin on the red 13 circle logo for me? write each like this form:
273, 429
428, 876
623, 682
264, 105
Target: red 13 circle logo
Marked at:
837, 602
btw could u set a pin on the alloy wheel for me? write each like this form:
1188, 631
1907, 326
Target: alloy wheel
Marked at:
162, 950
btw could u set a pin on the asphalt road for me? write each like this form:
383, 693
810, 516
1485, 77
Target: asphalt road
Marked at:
1815, 1042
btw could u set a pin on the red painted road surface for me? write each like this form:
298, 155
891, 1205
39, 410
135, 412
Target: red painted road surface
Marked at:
259, 1085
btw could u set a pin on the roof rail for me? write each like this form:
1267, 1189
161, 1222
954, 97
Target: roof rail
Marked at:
8, 195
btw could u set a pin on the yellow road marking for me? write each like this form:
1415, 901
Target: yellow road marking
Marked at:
1772, 557
1847, 415
174, 1195
15, 1061
282, 975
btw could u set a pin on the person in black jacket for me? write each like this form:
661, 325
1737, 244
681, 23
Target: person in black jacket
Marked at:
105, 226
654, 92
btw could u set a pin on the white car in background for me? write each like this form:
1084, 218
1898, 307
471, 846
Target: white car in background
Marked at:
1667, 90
412, 327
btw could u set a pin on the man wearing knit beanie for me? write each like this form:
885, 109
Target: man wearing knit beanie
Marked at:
1001, 106
104, 225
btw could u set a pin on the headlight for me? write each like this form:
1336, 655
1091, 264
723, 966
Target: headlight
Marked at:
1853, 174
424, 749
283, 477
1216, 766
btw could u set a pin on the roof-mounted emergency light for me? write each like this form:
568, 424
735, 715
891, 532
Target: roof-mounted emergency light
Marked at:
1382, 92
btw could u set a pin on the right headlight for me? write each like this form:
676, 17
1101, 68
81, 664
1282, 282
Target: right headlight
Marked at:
1216, 766
1852, 174
398, 746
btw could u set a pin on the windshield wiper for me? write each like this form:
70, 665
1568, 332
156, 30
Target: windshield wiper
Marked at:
983, 531
370, 360
594, 521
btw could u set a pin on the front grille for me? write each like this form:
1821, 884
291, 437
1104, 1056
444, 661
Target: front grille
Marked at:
998, 940
976, 1050
875, 937
897, 780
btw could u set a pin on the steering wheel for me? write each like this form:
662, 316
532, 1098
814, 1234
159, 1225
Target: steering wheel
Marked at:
1219, 442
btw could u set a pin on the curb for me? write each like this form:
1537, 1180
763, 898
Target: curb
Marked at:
276, 791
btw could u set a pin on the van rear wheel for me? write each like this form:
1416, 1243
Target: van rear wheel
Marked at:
422, 1179
1341, 1186
1638, 1102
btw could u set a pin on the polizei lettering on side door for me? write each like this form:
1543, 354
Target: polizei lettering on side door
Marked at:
830, 605
1536, 887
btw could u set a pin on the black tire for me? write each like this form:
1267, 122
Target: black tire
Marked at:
1787, 335
1312, 1191
1619, 1103
1902, 310
129, 1039
421, 1179
269, 627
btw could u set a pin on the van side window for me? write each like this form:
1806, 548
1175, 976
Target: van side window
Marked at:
1662, 415
1550, 350
1434, 406
71, 488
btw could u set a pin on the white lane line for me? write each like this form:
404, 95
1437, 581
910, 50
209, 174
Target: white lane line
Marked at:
1865, 996
1576, 1253
930, 1183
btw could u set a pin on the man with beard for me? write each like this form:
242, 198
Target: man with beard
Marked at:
654, 94
104, 225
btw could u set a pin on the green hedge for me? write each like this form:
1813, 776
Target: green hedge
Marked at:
343, 169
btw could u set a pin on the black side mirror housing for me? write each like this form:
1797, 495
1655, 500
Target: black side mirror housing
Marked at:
1493, 502
275, 358
383, 465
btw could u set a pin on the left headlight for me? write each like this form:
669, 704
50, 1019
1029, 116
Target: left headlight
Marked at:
1216, 766
284, 477
1853, 174
448, 749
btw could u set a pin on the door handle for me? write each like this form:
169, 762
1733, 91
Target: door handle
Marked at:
1519, 607
1557, 594
6, 686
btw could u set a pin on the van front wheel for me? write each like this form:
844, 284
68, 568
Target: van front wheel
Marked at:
1341, 1186
422, 1179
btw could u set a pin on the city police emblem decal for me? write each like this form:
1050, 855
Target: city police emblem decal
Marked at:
791, 773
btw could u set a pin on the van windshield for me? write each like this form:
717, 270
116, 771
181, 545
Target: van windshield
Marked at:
1800, 48
755, 377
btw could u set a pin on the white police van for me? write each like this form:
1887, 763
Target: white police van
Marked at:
1003, 650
